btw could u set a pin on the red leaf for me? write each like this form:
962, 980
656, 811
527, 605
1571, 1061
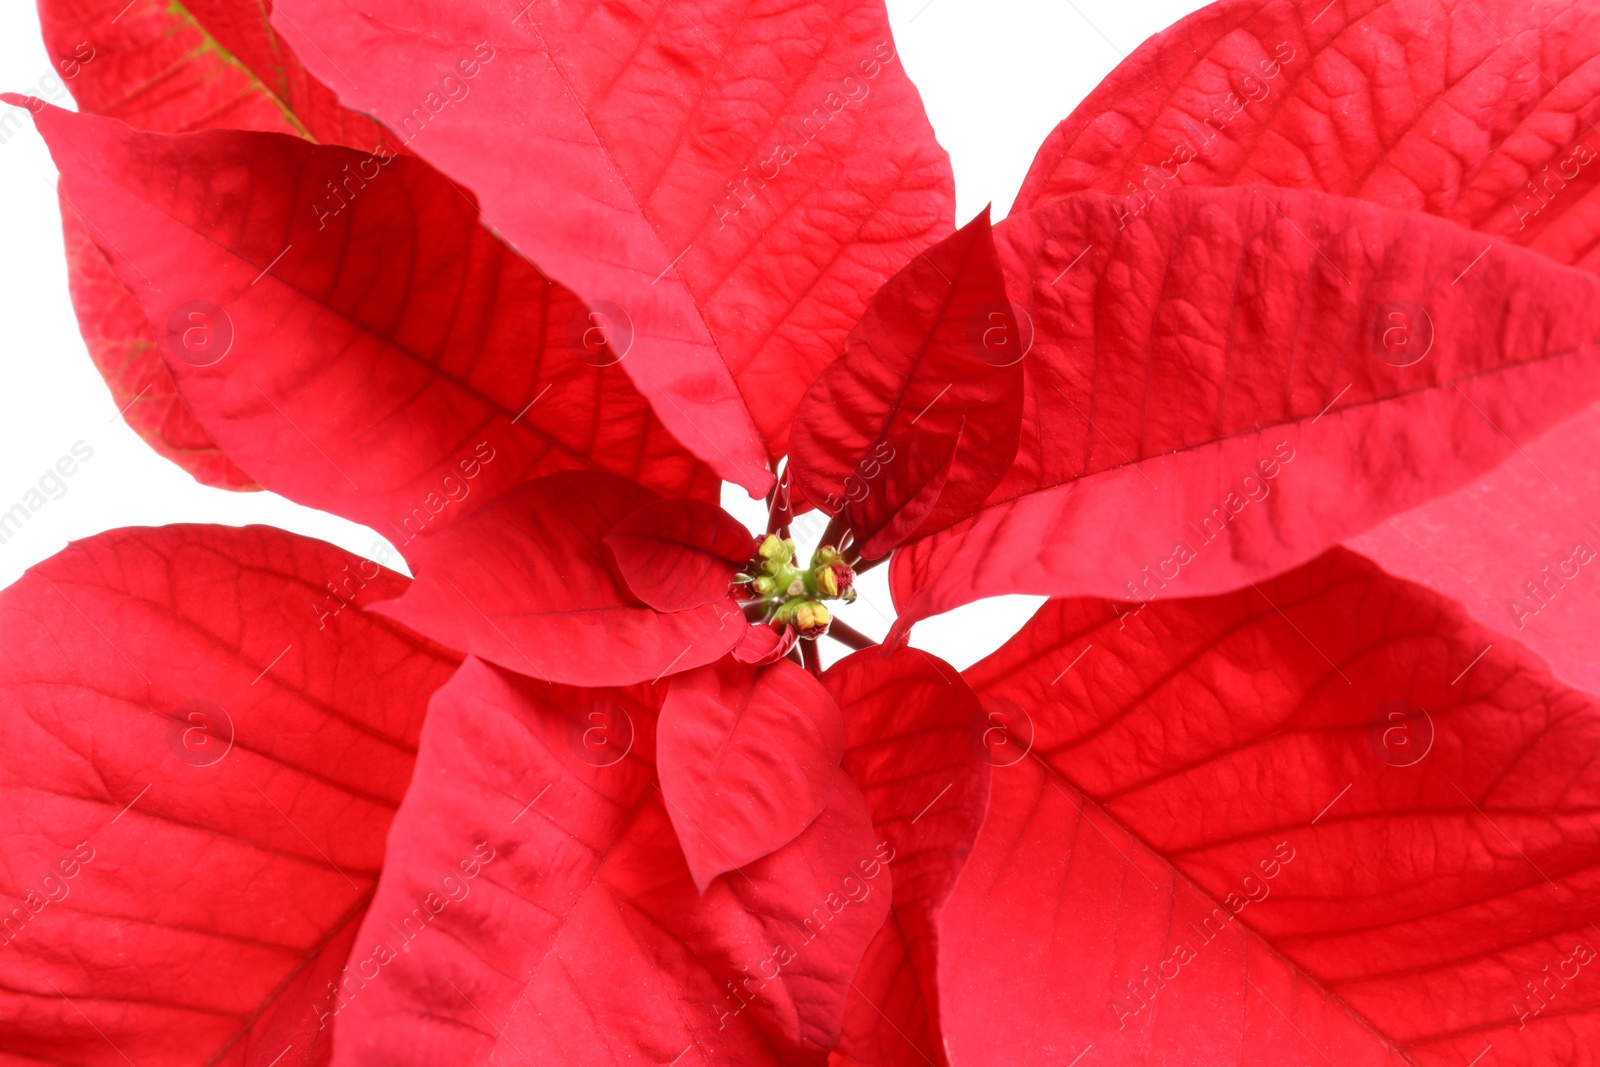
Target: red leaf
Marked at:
385, 360
1230, 369
914, 730
1469, 137
206, 738
909, 476
760, 645
1516, 548
680, 553
527, 583
1262, 95
748, 757
1306, 97
734, 181
208, 64
1390, 856
582, 940
124, 349
155, 66
938, 352
1054, 917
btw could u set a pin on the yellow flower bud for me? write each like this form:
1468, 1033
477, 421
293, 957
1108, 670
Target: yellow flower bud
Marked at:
811, 619
826, 581
776, 548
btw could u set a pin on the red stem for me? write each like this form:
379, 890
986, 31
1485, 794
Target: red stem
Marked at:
849, 636
811, 656
836, 532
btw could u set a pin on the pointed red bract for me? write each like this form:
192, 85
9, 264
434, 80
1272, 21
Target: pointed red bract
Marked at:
915, 747
207, 64
347, 331
1493, 132
168, 69
908, 477
1242, 377
1296, 268
127, 355
528, 583
937, 353
1517, 548
762, 644
1060, 909
680, 553
748, 756
728, 183
1392, 849
206, 738
581, 938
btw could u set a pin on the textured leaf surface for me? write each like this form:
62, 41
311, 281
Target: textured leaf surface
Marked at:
1516, 548
584, 941
125, 350
206, 738
764, 644
1243, 377
915, 734
203, 64
680, 553
1451, 110
348, 332
747, 756
1495, 131
1392, 849
938, 352
733, 181
528, 583
909, 476
159, 67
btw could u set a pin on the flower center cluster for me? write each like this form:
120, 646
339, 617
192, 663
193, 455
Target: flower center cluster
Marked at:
794, 595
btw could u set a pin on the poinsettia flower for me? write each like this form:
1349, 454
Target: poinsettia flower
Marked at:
639, 823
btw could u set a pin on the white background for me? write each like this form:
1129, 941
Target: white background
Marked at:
996, 77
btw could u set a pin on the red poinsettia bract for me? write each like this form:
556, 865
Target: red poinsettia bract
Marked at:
523, 287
